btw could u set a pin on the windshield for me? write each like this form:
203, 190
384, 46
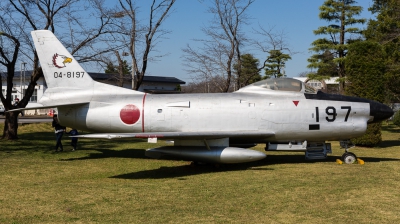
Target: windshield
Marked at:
284, 84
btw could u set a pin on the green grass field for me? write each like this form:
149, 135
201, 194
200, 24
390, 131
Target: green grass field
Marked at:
111, 181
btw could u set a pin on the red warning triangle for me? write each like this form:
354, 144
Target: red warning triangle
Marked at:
295, 102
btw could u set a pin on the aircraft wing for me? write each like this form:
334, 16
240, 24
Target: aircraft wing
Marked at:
184, 135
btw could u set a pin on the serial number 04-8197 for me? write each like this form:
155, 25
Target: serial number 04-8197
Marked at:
69, 75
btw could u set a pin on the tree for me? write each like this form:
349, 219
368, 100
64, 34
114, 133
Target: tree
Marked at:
396, 118
304, 73
9, 59
249, 71
366, 68
341, 12
365, 65
386, 31
137, 34
328, 67
276, 63
204, 86
120, 72
20, 17
275, 45
222, 49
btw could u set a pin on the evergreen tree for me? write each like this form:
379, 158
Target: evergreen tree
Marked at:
365, 66
396, 118
328, 67
113, 70
342, 12
275, 64
249, 71
386, 30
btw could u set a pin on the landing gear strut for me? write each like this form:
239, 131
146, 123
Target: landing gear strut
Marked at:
348, 157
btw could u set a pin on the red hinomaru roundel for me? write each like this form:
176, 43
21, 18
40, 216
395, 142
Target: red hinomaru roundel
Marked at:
129, 114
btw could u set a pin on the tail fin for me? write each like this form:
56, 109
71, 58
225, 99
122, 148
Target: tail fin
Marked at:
60, 68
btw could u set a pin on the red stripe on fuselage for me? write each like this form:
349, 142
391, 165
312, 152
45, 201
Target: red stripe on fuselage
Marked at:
144, 98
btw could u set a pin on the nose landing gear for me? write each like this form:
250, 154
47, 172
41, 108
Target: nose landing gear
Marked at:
349, 157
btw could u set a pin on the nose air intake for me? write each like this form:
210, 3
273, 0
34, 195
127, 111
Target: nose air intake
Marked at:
379, 111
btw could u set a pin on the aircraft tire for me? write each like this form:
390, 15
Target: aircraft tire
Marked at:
349, 158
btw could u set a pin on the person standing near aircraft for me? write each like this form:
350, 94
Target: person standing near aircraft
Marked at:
16, 104
59, 130
74, 140
16, 101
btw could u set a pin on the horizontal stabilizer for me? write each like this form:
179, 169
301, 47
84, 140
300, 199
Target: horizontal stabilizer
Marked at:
46, 107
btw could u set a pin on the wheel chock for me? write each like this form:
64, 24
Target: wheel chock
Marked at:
360, 161
338, 161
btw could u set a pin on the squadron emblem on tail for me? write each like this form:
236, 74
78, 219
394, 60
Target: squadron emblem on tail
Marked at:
60, 60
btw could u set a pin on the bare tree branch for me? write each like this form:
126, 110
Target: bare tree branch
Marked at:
222, 47
141, 39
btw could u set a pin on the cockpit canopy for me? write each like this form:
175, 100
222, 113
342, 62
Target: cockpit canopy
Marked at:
281, 84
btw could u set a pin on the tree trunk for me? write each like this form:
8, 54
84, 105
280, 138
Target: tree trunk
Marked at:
11, 126
342, 72
120, 70
342, 75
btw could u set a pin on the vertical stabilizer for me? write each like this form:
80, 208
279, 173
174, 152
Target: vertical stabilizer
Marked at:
60, 68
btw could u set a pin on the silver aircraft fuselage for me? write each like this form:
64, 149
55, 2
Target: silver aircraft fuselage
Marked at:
284, 113
290, 116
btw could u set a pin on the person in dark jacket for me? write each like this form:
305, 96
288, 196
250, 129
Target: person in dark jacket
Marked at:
16, 105
59, 130
74, 140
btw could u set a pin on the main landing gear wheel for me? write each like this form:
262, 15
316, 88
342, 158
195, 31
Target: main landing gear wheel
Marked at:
349, 158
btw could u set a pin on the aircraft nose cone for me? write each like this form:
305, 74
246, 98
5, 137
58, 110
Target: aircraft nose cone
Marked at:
380, 111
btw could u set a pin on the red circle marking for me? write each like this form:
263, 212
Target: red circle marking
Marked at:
130, 114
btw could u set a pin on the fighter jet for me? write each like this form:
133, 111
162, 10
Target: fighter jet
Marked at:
283, 113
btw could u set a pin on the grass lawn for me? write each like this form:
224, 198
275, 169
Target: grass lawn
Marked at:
111, 181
